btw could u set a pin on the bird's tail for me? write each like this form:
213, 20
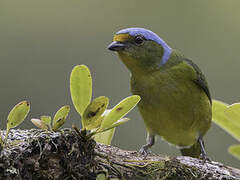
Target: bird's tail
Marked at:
193, 151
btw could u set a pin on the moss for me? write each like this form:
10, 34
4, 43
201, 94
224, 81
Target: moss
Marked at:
48, 156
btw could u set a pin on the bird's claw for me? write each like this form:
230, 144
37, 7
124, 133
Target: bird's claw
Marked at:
144, 150
204, 158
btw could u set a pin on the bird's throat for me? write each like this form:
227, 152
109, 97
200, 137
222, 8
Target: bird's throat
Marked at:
132, 64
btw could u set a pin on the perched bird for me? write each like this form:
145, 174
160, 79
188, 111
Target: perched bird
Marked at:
175, 99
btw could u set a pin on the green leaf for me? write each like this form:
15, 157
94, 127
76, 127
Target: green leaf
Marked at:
47, 120
91, 117
105, 137
60, 117
17, 115
233, 113
81, 88
219, 117
62, 113
119, 111
101, 176
235, 151
39, 123
58, 124
118, 123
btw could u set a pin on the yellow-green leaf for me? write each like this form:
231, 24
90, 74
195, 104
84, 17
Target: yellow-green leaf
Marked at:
233, 113
101, 176
81, 88
235, 151
219, 117
105, 137
39, 123
91, 117
17, 115
58, 124
60, 117
62, 113
47, 120
119, 111
114, 125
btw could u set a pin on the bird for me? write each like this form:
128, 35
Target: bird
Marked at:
175, 99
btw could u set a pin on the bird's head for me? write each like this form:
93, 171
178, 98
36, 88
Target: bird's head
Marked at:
140, 49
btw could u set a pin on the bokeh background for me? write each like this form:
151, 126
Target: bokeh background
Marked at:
41, 41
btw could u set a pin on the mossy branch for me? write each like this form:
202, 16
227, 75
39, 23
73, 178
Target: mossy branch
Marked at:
37, 154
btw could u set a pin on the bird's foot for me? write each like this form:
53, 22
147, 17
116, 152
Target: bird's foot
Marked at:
204, 158
145, 150
203, 154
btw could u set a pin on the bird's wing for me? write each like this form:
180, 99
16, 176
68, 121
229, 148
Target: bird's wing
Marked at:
201, 80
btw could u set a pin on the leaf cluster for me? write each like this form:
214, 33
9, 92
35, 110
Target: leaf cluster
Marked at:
46, 122
228, 118
95, 116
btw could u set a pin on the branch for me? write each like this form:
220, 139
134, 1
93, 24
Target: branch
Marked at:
35, 154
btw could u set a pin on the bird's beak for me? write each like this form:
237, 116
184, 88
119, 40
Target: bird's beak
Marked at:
116, 46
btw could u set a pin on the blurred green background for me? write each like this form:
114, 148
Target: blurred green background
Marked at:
41, 41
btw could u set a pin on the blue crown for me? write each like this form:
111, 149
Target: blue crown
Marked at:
149, 35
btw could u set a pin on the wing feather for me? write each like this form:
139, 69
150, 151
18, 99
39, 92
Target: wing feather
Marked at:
201, 80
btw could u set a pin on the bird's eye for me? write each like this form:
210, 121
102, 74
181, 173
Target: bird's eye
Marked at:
138, 40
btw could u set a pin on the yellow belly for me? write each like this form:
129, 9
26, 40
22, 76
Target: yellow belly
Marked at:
175, 109
177, 126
